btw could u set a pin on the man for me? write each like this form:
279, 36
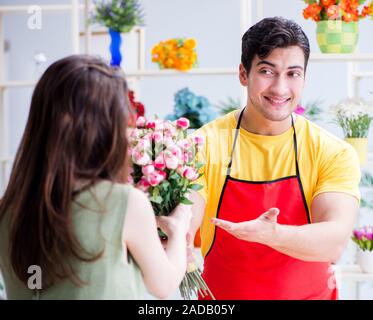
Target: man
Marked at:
280, 194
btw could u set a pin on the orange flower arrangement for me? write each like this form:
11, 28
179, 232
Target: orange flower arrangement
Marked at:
177, 54
345, 10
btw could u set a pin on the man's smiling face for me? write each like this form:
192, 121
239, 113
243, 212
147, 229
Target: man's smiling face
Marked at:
275, 83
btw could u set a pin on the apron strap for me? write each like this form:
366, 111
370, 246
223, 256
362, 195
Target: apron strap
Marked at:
237, 131
295, 147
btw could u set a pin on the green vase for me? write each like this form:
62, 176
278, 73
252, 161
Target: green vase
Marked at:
337, 36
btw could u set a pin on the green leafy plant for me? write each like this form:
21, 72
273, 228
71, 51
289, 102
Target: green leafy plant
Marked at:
228, 106
366, 184
118, 15
313, 110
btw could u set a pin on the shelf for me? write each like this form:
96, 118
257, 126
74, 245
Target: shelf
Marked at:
6, 159
169, 72
15, 84
363, 74
143, 73
353, 273
331, 57
25, 8
215, 71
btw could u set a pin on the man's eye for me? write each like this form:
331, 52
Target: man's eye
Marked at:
295, 74
269, 72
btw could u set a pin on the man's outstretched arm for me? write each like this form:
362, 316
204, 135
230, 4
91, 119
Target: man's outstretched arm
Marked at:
334, 216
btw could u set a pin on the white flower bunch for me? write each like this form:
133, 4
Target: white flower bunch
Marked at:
354, 117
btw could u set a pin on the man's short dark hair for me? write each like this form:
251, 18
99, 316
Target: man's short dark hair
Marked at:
269, 34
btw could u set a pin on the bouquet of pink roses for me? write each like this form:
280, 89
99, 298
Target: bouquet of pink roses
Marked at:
165, 167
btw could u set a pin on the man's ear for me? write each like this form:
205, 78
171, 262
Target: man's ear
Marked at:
243, 75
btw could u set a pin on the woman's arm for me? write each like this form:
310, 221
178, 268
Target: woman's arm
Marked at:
162, 269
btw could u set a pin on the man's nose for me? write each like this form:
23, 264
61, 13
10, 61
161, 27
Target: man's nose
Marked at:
280, 86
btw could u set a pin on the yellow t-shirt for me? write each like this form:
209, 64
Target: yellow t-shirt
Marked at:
326, 163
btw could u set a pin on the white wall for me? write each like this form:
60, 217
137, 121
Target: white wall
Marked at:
216, 26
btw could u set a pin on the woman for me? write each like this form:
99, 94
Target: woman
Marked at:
67, 208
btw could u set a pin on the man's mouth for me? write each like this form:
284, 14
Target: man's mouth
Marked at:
277, 102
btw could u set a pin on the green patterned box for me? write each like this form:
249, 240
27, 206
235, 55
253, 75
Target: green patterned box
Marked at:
336, 36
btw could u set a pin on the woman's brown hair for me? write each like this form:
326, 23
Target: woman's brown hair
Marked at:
76, 131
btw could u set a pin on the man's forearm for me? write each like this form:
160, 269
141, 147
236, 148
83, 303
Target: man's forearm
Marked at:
323, 241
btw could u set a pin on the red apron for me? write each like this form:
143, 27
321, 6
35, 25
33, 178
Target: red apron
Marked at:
238, 269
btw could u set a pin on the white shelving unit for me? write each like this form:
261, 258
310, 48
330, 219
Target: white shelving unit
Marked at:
352, 60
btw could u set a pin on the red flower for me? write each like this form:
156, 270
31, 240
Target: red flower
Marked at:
137, 107
312, 11
366, 11
328, 3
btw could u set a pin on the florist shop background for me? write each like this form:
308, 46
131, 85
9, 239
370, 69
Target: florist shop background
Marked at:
214, 30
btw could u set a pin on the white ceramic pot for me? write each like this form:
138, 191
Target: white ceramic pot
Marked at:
365, 261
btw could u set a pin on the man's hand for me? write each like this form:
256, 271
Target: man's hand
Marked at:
261, 230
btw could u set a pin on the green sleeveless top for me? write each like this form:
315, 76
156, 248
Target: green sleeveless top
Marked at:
98, 217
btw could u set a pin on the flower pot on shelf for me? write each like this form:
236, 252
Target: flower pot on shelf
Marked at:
337, 36
115, 43
365, 261
361, 147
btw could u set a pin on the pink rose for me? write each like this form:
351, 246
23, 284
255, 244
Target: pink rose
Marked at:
157, 137
171, 162
190, 173
143, 143
140, 158
143, 184
163, 173
184, 144
159, 162
155, 178
174, 151
146, 170
140, 122
182, 123
150, 124
185, 157
198, 140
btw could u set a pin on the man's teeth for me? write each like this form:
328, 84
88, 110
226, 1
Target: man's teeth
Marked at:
277, 100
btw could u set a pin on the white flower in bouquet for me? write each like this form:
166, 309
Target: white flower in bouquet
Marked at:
165, 167
354, 117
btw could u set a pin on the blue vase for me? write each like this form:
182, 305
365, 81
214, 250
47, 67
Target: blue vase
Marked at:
116, 41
